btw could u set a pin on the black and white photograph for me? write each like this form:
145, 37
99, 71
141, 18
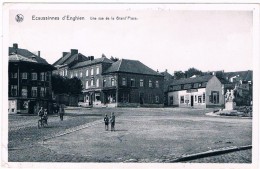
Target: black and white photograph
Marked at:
133, 85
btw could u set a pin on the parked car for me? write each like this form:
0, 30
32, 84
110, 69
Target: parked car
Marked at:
83, 104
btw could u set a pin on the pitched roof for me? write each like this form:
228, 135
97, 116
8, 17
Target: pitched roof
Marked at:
27, 54
92, 62
244, 75
68, 58
199, 79
19, 58
131, 66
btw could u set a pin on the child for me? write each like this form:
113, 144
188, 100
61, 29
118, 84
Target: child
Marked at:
106, 120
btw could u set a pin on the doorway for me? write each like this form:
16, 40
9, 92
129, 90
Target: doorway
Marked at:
191, 100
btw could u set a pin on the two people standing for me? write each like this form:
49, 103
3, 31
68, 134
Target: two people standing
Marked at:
112, 121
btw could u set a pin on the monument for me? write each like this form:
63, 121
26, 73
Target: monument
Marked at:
229, 100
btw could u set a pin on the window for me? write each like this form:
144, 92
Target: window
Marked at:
24, 75
182, 99
24, 91
13, 90
200, 84
97, 83
157, 99
80, 74
34, 92
157, 84
34, 76
141, 83
76, 74
214, 97
97, 95
47, 90
71, 74
92, 72
13, 75
199, 99
150, 98
92, 82
195, 98
42, 76
125, 98
203, 97
104, 83
150, 83
42, 92
66, 72
87, 72
123, 81
86, 84
132, 83
97, 70
47, 76
171, 100
112, 82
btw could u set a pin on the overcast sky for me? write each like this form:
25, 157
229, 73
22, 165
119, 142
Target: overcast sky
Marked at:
160, 38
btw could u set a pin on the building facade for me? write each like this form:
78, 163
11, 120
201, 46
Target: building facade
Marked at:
115, 83
198, 92
29, 84
131, 83
90, 73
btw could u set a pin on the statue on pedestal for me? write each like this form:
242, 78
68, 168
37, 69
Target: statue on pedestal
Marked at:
229, 99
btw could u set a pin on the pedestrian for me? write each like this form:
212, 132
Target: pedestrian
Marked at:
106, 120
113, 120
62, 112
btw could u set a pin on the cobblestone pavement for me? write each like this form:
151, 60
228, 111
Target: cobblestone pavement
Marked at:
142, 135
243, 156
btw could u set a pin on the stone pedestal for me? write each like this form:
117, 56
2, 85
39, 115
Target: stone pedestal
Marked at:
230, 105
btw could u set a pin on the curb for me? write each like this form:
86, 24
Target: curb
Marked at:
210, 153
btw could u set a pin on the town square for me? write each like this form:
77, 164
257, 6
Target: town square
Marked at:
138, 84
158, 135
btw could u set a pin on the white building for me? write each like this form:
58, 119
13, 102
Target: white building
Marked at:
199, 92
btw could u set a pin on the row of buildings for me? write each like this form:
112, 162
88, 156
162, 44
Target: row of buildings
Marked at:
121, 83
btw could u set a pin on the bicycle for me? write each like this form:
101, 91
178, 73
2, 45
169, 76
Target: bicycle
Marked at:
42, 122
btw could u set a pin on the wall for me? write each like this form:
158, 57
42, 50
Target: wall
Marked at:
187, 98
214, 85
148, 93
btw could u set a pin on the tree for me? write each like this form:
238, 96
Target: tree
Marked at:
74, 86
179, 75
64, 85
58, 84
193, 71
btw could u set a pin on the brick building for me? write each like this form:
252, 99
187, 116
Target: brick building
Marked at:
115, 84
29, 84
90, 73
200, 92
131, 83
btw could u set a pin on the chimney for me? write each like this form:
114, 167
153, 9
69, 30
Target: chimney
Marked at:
64, 54
15, 46
74, 51
39, 53
91, 57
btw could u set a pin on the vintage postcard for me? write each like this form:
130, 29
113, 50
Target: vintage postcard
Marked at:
133, 85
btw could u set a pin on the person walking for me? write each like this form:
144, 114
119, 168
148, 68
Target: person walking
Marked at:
62, 112
106, 120
113, 120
